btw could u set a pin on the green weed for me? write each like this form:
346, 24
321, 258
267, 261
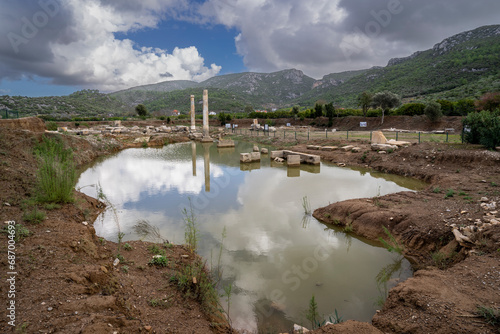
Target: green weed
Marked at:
312, 313
154, 249
348, 228
449, 193
51, 206
490, 315
162, 303
393, 246
34, 216
56, 173
127, 247
436, 190
20, 232
159, 260
191, 231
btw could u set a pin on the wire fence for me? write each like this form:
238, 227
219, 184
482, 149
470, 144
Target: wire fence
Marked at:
306, 135
8, 114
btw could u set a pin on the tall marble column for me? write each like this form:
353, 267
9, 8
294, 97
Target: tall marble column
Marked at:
193, 126
206, 130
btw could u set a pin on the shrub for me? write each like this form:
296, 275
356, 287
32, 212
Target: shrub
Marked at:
447, 107
56, 173
35, 216
433, 111
482, 128
489, 101
52, 126
411, 109
374, 113
463, 107
158, 260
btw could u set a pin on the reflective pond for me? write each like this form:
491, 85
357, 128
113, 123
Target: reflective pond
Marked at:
275, 255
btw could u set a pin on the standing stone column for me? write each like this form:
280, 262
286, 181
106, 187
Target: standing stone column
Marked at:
206, 130
193, 126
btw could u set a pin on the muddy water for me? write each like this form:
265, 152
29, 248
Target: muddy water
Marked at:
275, 255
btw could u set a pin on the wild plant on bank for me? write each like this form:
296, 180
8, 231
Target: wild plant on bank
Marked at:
312, 313
56, 175
102, 197
393, 246
147, 231
191, 232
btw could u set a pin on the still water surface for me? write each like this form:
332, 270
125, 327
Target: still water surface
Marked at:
275, 256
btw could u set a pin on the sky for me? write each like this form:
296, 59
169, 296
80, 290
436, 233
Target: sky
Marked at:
56, 47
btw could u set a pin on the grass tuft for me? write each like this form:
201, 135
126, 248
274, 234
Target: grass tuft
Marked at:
56, 177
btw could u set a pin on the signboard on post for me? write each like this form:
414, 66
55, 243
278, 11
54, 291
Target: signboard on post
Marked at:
228, 126
266, 127
363, 124
288, 124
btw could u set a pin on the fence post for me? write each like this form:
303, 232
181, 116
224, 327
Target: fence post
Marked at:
419, 137
307, 134
326, 133
347, 134
446, 136
370, 136
397, 137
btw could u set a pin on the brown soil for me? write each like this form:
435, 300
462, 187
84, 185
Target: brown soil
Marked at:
66, 281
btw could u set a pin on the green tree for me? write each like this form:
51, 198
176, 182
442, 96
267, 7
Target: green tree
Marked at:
482, 128
464, 106
364, 101
386, 100
318, 110
330, 111
248, 109
433, 111
447, 107
295, 110
141, 110
224, 118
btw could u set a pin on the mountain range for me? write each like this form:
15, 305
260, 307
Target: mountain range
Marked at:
462, 66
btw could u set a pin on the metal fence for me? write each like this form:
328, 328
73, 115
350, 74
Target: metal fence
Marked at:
305, 135
7, 114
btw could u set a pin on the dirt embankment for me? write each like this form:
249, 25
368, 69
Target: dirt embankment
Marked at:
451, 280
65, 279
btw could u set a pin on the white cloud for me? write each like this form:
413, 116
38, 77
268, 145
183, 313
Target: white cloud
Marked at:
326, 36
83, 50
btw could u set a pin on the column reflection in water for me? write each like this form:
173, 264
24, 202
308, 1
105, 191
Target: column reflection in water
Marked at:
206, 160
193, 156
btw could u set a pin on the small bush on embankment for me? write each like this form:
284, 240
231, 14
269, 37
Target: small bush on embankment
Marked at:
56, 175
483, 128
